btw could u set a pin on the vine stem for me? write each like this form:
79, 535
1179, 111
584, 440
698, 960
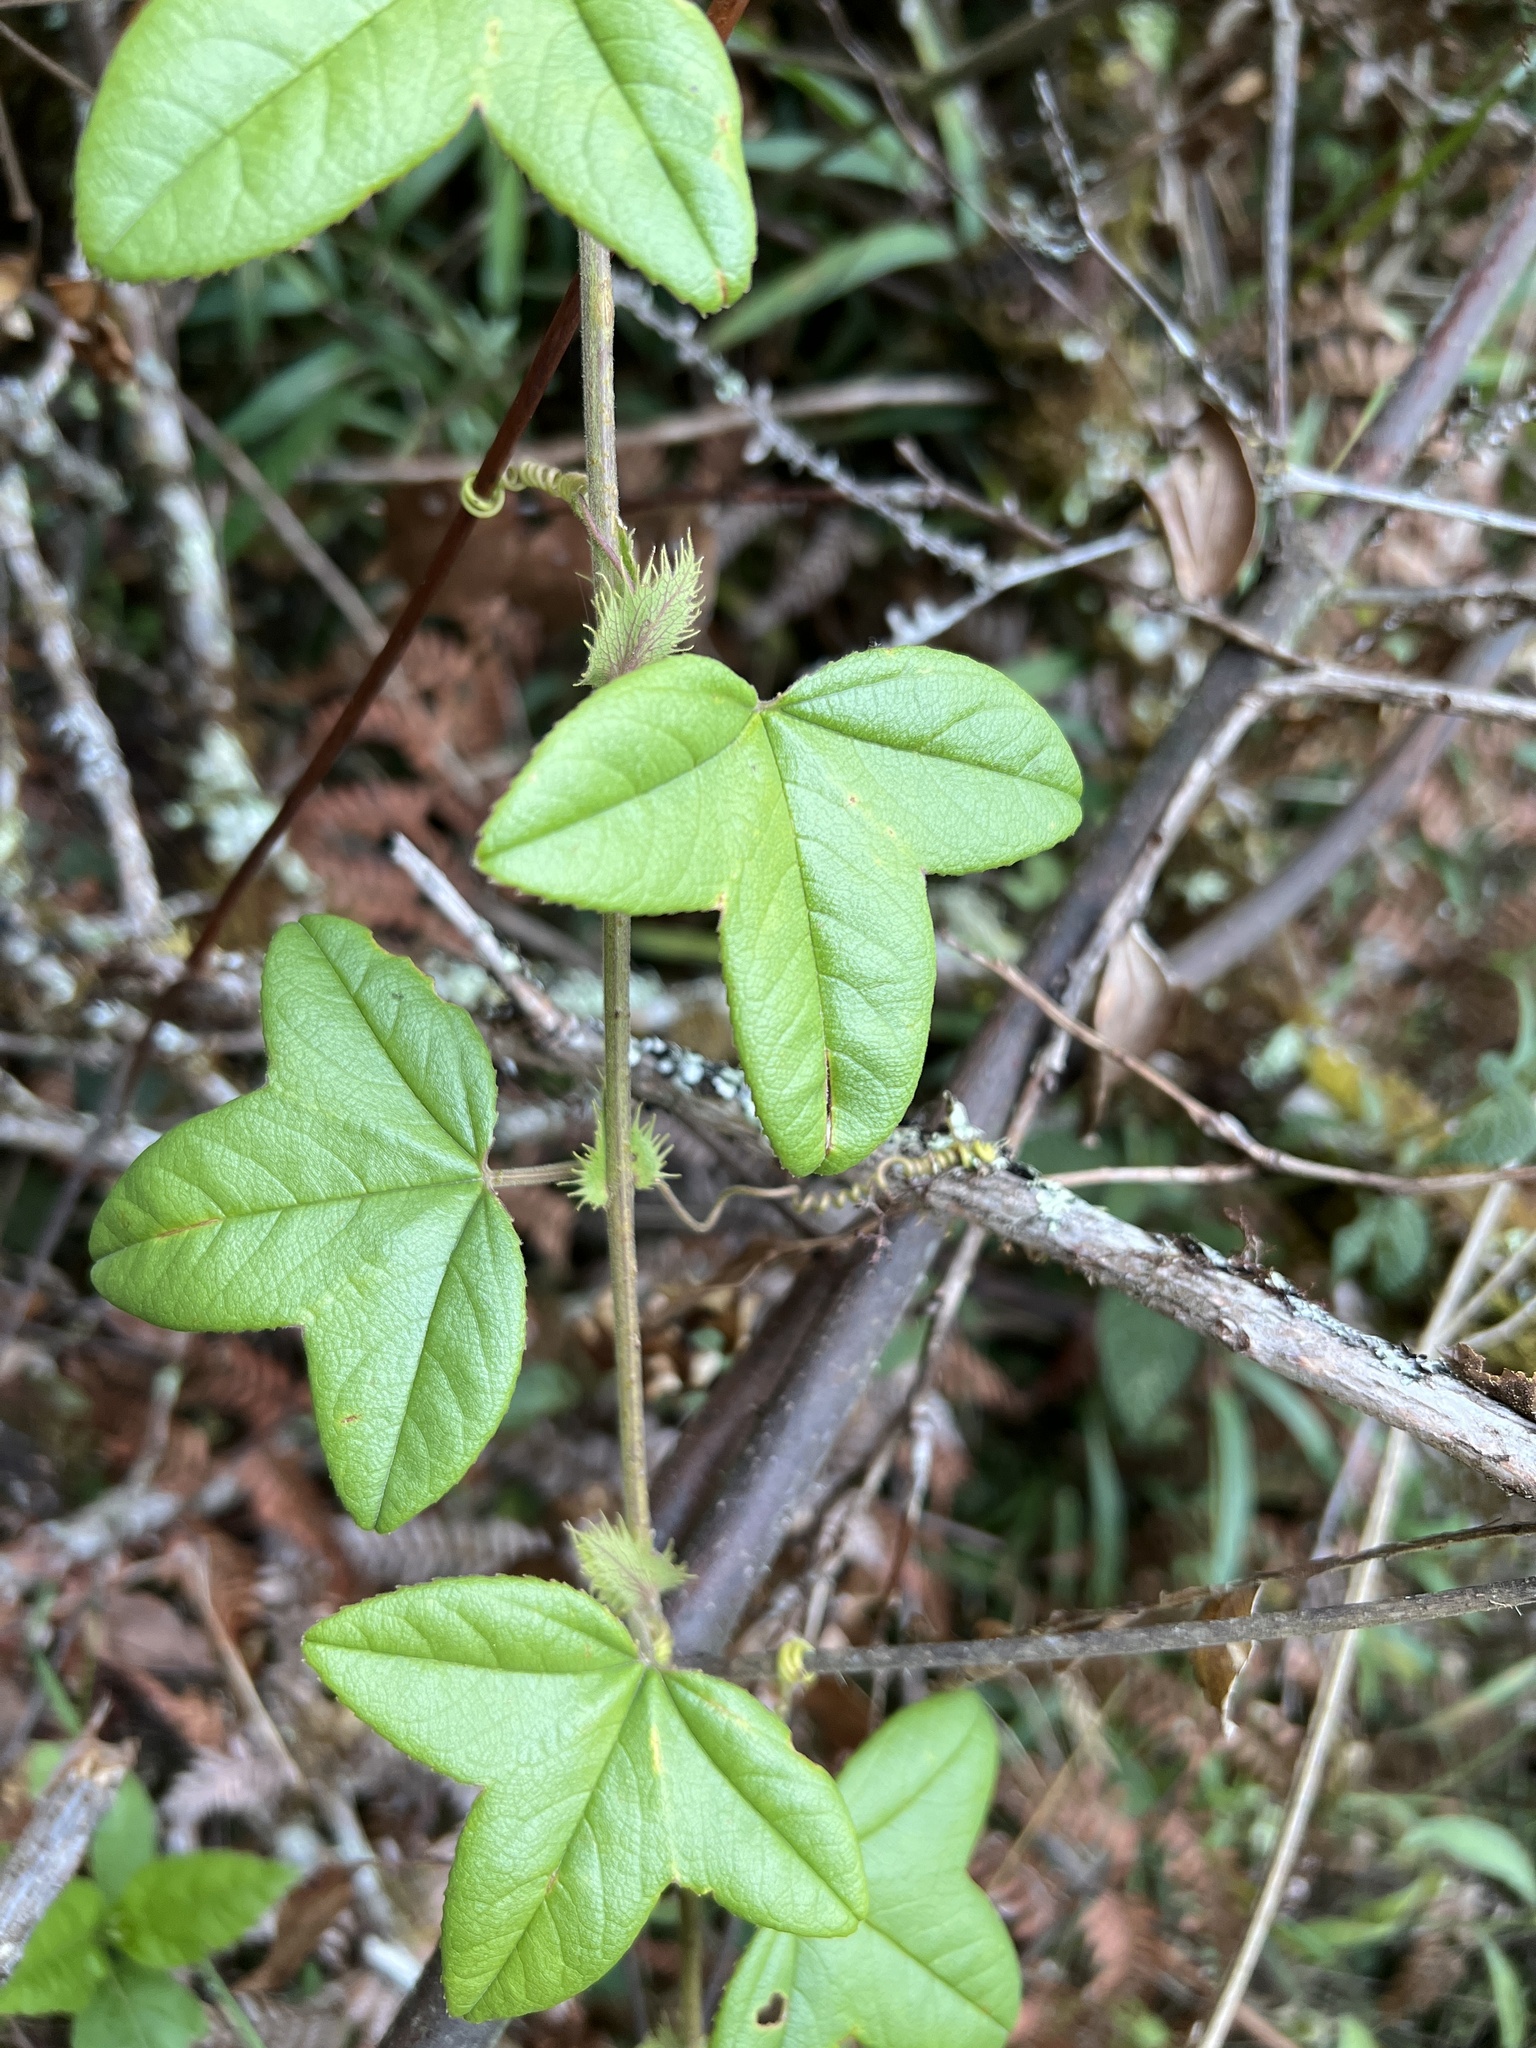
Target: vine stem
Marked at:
603, 511
690, 2002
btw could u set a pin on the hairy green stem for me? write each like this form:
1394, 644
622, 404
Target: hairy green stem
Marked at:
690, 1979
603, 510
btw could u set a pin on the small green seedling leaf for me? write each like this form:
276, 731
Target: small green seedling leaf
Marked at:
348, 1196
136, 2007
931, 1961
125, 1840
605, 1779
809, 823
63, 1962
227, 129
1476, 1844
183, 1909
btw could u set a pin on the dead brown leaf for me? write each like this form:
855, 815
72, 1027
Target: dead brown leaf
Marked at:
101, 345
302, 1918
1219, 1669
966, 1374
1131, 1010
286, 1502
18, 269
546, 1219
141, 1632
240, 1379
199, 1718
1208, 509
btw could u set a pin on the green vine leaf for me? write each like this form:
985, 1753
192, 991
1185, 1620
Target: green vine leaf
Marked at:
227, 129
605, 1779
931, 1960
809, 822
347, 1196
183, 1909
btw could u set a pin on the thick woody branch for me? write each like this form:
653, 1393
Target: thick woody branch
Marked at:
1259, 1314
49, 1852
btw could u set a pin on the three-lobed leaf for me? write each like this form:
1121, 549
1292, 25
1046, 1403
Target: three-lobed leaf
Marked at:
347, 1196
809, 823
930, 1961
227, 129
183, 1909
604, 1780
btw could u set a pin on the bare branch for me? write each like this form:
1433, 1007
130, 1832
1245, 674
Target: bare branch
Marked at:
679, 429
54, 1840
1264, 1317
80, 723
1227, 1129
1297, 481
286, 524
1155, 1639
891, 502
1286, 64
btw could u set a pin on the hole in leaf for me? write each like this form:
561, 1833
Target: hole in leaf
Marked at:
772, 2014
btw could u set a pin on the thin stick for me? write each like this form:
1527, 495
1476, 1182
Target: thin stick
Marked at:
1503, 1275
603, 510
1299, 481
1277, 214
1333, 1694
45, 62
1501, 1333
1162, 1639
678, 429
81, 724
1227, 1129
1362, 687
16, 192
1184, 344
286, 524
